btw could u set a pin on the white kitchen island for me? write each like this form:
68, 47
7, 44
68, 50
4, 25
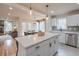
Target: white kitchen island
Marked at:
34, 45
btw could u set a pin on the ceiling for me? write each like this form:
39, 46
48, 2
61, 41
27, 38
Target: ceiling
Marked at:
18, 11
39, 9
58, 8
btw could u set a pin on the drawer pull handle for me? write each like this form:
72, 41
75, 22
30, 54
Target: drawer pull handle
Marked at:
50, 44
37, 47
54, 42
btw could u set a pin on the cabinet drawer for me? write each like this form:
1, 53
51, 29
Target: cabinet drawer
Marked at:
44, 51
35, 48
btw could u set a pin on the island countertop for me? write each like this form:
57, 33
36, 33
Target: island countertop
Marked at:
70, 32
30, 40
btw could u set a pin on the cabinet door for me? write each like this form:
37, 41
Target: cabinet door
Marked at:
51, 46
78, 41
21, 50
61, 38
73, 20
54, 45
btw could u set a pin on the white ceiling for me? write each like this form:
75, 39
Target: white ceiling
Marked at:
58, 8
39, 9
18, 11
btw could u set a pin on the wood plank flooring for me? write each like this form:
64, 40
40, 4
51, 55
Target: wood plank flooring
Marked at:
10, 51
63, 50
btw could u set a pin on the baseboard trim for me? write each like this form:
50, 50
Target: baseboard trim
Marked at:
71, 45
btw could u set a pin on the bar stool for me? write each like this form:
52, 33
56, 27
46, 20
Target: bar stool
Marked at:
1, 48
8, 44
2, 39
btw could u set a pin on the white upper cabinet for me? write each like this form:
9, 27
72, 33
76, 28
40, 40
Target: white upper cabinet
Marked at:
73, 20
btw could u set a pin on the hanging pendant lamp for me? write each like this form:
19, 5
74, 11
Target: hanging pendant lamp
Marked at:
30, 10
47, 12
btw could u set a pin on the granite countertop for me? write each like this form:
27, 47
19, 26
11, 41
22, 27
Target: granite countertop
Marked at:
30, 40
71, 32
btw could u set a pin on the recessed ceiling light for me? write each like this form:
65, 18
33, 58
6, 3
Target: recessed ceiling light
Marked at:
10, 8
9, 14
52, 11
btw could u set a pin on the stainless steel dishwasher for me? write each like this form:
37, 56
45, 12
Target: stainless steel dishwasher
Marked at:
71, 39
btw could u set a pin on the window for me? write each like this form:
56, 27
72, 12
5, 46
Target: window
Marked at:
7, 26
61, 23
36, 27
42, 26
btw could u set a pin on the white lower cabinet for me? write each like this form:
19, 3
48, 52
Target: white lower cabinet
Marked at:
62, 38
54, 46
35, 48
44, 48
44, 51
78, 41
21, 50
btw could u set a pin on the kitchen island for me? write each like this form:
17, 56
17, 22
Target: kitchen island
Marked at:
34, 45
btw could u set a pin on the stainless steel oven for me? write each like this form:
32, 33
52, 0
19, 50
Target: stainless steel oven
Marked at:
71, 39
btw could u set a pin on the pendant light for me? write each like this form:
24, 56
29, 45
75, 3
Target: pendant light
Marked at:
47, 12
46, 17
30, 10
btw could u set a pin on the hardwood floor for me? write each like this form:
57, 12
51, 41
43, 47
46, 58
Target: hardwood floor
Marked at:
63, 50
9, 51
